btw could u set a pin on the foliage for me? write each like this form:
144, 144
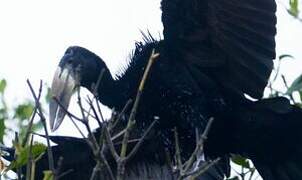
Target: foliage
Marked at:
15, 120
19, 115
23, 153
294, 8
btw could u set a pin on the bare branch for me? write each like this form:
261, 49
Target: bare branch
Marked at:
131, 120
43, 120
141, 140
119, 117
29, 127
111, 145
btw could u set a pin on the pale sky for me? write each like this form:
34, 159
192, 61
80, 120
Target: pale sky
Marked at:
34, 35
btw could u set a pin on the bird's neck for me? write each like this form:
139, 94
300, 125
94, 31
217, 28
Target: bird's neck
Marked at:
109, 92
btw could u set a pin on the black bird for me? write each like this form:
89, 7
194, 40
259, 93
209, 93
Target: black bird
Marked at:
214, 52
150, 161
77, 161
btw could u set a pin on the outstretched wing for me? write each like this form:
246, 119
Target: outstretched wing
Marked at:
236, 36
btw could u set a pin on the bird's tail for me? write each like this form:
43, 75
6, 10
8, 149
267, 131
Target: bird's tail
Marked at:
270, 134
268, 131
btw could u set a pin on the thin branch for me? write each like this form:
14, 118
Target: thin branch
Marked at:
106, 164
96, 117
85, 122
187, 169
286, 85
95, 93
118, 134
29, 127
71, 116
43, 120
30, 161
19, 171
199, 145
66, 111
119, 117
203, 169
95, 171
111, 145
64, 173
77, 127
131, 120
141, 140
177, 153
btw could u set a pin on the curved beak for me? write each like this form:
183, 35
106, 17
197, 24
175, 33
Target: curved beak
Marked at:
62, 88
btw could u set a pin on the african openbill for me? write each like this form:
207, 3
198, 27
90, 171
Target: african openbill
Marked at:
214, 52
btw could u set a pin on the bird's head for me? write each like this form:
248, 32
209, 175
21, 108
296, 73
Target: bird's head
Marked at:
78, 67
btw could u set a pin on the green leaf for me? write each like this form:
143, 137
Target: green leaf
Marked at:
2, 86
241, 161
294, 8
48, 175
23, 152
24, 111
37, 149
295, 86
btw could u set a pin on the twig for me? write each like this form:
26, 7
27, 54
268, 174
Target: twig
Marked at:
92, 141
30, 161
119, 117
65, 110
71, 116
64, 173
286, 85
101, 158
111, 145
106, 164
184, 170
43, 120
29, 127
199, 145
95, 171
118, 134
85, 122
131, 121
19, 172
177, 152
202, 169
95, 92
141, 140
96, 117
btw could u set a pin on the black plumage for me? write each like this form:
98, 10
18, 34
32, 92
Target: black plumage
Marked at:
213, 52
78, 160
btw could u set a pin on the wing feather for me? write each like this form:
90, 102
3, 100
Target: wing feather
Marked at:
238, 35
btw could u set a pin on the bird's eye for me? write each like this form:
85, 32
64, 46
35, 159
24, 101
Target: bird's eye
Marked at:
69, 51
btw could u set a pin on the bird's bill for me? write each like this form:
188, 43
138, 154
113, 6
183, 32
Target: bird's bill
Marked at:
62, 88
